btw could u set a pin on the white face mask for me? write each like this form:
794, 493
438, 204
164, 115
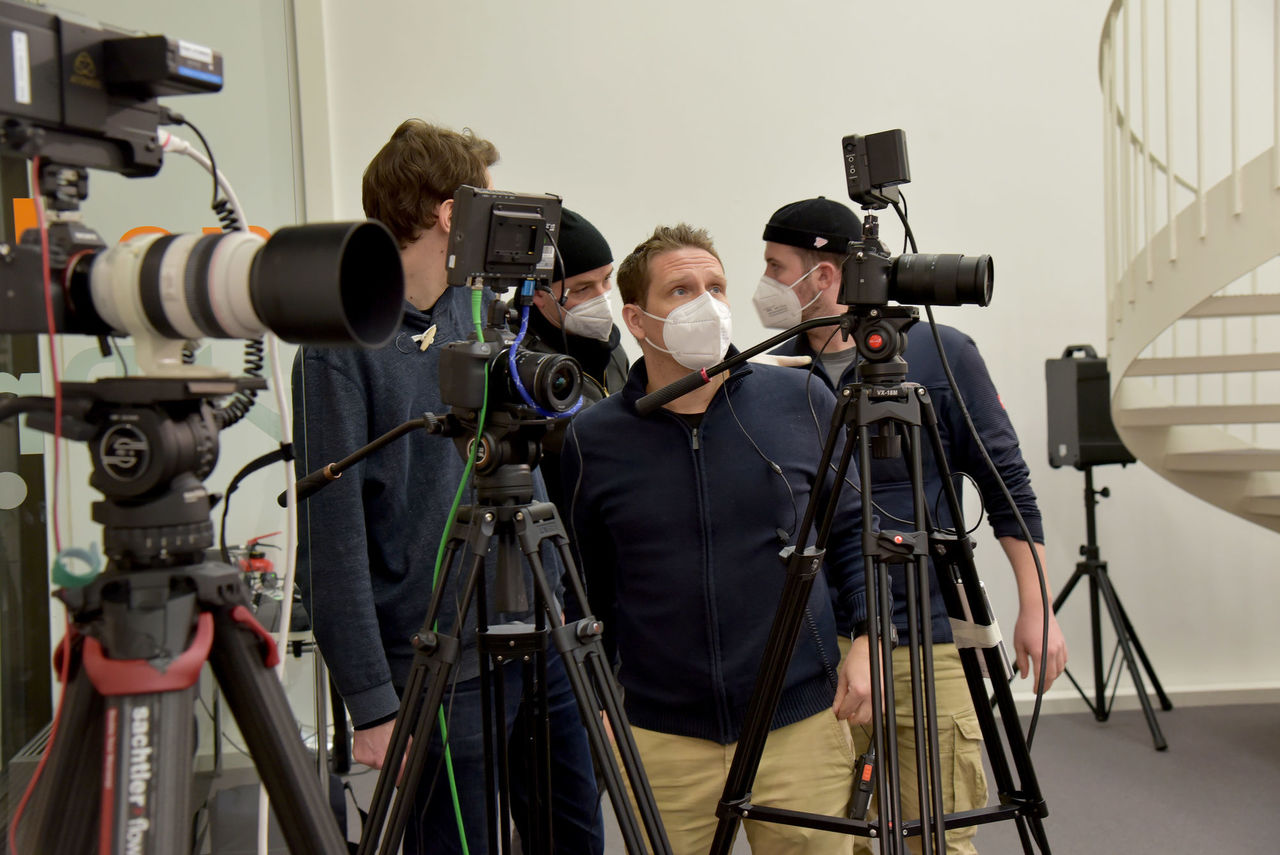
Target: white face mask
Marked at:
591, 319
697, 332
777, 304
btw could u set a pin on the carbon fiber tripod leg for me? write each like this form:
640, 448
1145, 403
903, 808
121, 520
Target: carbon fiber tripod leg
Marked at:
257, 701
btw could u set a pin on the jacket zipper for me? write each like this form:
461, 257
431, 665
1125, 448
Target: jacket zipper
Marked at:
696, 444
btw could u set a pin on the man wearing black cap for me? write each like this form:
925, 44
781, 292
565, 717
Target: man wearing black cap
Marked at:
805, 251
575, 318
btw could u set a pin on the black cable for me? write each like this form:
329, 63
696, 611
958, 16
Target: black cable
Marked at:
773, 467
1022, 525
115, 346
12, 406
283, 453
244, 399
564, 290
213, 164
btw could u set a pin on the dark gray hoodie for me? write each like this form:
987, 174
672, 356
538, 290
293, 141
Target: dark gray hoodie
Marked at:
368, 542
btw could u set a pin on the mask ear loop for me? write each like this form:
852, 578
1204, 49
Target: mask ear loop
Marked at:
816, 295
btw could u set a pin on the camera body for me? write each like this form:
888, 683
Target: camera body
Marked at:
85, 95
872, 277
553, 380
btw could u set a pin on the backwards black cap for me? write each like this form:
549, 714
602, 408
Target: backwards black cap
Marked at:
819, 224
582, 247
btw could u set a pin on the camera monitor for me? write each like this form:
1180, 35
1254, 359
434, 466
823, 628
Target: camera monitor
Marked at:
501, 238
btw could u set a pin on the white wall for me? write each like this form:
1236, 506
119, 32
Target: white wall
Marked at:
718, 113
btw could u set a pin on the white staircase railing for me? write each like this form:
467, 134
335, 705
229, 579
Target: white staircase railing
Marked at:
1191, 140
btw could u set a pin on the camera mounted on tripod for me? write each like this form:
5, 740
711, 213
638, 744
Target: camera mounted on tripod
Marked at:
502, 240
84, 97
875, 166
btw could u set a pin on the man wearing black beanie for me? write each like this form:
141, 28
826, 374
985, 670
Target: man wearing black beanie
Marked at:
805, 250
574, 318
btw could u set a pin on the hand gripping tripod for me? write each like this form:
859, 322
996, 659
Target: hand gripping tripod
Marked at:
118, 777
882, 401
506, 516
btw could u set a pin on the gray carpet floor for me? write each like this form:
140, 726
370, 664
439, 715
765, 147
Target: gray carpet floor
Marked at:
1216, 789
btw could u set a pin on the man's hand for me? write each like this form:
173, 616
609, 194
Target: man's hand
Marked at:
781, 359
853, 690
370, 746
1028, 632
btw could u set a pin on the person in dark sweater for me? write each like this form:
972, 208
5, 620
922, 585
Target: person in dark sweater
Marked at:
574, 318
369, 541
804, 253
679, 517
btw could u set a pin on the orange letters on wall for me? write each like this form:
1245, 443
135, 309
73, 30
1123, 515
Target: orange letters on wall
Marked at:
24, 217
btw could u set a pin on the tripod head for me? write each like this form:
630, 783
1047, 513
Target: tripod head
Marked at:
152, 442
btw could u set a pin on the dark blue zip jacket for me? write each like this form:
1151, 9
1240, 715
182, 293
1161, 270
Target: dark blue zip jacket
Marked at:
679, 532
367, 542
890, 481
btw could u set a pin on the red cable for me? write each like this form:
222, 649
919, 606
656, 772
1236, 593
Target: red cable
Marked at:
65, 665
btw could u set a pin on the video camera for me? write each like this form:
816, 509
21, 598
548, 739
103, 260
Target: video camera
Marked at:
499, 240
875, 165
77, 96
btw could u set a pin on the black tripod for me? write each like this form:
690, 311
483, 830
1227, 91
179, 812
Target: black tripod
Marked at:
883, 401
505, 515
1100, 590
118, 777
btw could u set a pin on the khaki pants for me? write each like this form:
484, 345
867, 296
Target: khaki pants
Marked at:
964, 784
806, 766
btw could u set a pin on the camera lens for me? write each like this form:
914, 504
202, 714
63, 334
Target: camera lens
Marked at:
553, 380
325, 284
941, 280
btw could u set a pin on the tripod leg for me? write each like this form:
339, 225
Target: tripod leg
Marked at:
1117, 619
954, 560
71, 774
257, 700
925, 721
582, 655
1165, 703
1067, 588
420, 710
1101, 711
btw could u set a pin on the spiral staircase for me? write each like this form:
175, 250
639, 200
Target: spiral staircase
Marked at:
1191, 107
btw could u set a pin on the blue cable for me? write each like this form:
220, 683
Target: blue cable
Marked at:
525, 291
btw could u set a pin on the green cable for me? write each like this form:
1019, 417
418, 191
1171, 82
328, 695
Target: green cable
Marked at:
477, 308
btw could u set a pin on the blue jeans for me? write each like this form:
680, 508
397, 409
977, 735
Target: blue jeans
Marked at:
577, 822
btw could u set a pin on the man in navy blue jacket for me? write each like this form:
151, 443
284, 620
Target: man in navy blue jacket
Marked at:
369, 541
804, 252
679, 517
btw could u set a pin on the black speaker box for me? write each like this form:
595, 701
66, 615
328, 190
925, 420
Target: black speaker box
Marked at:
1081, 433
